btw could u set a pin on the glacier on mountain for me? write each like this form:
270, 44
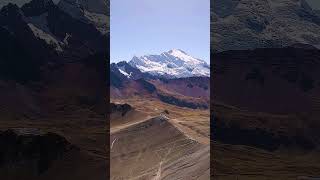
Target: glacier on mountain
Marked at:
172, 64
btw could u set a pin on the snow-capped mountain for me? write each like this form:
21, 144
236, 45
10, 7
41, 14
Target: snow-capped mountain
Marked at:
250, 24
56, 27
172, 64
125, 71
39, 35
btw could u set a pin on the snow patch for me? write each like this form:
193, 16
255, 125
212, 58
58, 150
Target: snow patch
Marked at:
174, 63
66, 38
49, 39
39, 27
122, 71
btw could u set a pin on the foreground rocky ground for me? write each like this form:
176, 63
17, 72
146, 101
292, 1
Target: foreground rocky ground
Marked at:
154, 140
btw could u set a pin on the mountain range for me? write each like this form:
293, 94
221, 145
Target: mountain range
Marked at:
53, 64
265, 59
40, 39
173, 77
250, 24
128, 82
172, 64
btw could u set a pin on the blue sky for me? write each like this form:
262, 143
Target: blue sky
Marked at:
141, 27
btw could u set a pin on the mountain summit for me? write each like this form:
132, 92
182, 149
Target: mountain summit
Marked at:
172, 64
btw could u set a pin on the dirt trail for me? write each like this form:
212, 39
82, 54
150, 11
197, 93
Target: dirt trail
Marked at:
150, 149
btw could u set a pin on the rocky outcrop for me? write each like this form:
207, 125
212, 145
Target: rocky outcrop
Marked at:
120, 108
28, 150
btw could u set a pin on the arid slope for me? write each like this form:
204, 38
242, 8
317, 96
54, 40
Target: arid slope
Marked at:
159, 142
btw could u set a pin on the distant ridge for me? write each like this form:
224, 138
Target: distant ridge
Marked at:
175, 63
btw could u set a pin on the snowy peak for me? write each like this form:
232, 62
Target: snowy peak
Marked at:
50, 27
171, 64
179, 54
123, 71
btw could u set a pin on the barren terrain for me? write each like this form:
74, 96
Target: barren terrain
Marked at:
157, 141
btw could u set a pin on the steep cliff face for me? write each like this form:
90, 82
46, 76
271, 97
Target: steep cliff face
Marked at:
48, 54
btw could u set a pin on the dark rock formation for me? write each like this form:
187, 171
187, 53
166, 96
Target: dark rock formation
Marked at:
121, 108
31, 152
